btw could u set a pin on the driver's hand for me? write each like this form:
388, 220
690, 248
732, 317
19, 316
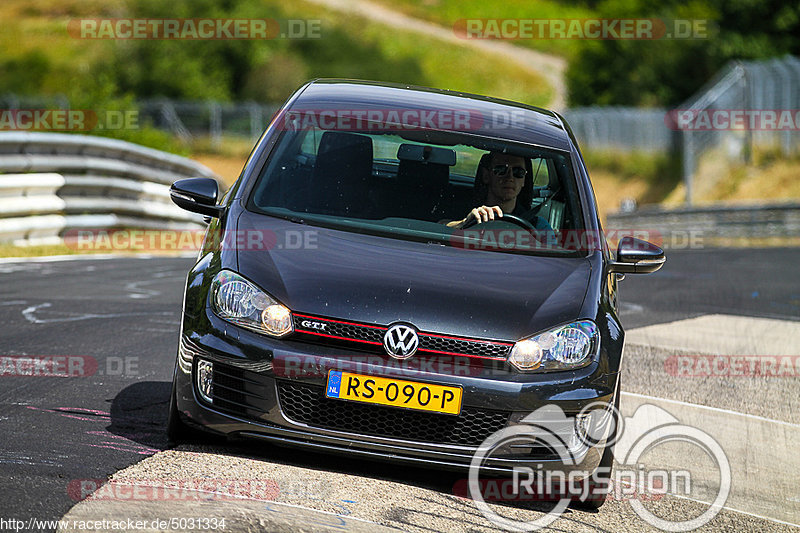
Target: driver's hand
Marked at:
483, 214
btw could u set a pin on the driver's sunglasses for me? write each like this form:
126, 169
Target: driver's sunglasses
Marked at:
502, 170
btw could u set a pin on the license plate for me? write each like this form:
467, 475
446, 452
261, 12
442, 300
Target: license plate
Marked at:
394, 392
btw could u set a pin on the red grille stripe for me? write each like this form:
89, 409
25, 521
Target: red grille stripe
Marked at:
422, 335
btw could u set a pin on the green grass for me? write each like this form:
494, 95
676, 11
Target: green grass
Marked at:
40, 250
12, 250
427, 61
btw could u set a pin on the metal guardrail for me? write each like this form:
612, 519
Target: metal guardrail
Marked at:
712, 225
52, 182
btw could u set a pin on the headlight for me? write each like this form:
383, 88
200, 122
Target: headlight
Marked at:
563, 348
240, 302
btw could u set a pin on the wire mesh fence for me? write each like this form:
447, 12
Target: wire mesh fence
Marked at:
747, 105
208, 119
621, 128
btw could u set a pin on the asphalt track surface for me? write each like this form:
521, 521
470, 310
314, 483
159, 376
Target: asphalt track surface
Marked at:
123, 314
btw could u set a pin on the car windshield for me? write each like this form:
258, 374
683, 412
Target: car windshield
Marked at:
422, 185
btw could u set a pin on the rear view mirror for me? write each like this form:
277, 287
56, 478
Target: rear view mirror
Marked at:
198, 195
635, 256
427, 154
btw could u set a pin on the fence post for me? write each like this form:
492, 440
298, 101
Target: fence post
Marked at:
688, 165
13, 101
215, 124
748, 106
256, 120
784, 81
170, 116
794, 65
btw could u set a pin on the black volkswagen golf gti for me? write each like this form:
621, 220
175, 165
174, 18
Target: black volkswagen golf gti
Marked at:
399, 273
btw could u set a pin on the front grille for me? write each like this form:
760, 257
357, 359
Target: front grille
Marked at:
238, 391
371, 336
307, 404
465, 347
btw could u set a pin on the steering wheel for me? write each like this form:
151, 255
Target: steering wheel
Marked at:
507, 217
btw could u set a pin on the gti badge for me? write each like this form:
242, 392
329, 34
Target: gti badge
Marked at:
319, 326
401, 341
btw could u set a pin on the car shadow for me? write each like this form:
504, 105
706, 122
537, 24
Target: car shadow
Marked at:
139, 413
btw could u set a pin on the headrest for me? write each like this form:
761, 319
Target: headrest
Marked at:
337, 140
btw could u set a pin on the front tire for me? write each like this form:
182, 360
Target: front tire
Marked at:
177, 430
595, 501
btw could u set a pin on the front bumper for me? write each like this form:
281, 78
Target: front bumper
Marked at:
260, 382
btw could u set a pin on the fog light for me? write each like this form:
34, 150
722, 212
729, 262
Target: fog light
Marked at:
277, 320
580, 432
205, 380
526, 355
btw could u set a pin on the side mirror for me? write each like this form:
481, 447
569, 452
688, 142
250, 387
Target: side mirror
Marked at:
198, 195
635, 256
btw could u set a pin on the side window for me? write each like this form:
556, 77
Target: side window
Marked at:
310, 142
541, 172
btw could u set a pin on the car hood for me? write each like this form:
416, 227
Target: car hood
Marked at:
380, 280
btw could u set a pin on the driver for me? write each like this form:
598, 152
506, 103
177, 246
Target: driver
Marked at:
502, 177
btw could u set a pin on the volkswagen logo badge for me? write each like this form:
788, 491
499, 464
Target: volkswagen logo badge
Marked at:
401, 341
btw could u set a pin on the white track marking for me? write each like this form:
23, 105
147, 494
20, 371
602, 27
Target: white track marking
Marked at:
30, 316
715, 409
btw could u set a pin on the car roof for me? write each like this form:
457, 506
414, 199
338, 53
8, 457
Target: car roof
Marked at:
489, 117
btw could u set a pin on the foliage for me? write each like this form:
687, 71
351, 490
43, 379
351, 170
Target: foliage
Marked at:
665, 72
